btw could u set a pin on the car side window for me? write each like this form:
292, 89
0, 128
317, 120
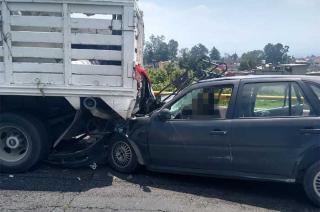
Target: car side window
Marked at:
281, 99
203, 104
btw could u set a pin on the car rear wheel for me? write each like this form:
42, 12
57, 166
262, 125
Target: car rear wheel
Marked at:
121, 156
312, 183
21, 143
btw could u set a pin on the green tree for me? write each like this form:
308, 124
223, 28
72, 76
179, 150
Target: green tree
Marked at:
198, 57
173, 47
215, 54
199, 51
184, 59
251, 60
234, 58
230, 59
156, 50
195, 60
162, 78
148, 53
159, 78
277, 53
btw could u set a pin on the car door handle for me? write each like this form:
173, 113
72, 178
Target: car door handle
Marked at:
310, 131
218, 132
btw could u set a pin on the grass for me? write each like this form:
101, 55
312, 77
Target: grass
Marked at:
268, 104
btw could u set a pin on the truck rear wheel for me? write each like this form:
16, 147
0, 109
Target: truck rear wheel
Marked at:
21, 143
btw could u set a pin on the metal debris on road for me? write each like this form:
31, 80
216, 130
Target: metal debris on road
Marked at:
94, 166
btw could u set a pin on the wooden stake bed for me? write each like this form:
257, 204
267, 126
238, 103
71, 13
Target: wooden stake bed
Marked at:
71, 48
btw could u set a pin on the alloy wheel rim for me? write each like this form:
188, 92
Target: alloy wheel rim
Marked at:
121, 155
316, 184
14, 144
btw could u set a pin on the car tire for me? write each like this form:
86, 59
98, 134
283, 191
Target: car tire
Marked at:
311, 183
122, 157
21, 142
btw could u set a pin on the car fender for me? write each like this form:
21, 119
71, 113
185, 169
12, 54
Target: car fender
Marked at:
136, 149
307, 159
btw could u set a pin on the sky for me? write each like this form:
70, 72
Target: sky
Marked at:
236, 26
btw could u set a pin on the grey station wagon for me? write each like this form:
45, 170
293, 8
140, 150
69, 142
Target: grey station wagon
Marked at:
256, 127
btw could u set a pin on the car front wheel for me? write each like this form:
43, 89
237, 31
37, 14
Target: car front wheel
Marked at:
121, 156
312, 183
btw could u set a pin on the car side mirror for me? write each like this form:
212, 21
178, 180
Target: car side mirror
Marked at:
164, 115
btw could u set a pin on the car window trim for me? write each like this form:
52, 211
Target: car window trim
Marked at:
313, 98
313, 101
309, 84
276, 117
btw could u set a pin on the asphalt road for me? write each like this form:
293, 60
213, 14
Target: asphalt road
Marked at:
57, 189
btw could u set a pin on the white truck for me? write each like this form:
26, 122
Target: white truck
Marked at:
67, 76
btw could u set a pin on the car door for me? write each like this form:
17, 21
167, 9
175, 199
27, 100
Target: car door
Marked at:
197, 135
274, 125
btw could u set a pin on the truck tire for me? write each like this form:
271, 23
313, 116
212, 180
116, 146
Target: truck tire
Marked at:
21, 144
46, 142
311, 183
122, 157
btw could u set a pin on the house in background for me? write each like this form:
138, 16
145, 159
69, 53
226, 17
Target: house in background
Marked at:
300, 67
314, 64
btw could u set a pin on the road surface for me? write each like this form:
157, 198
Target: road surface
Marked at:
56, 189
